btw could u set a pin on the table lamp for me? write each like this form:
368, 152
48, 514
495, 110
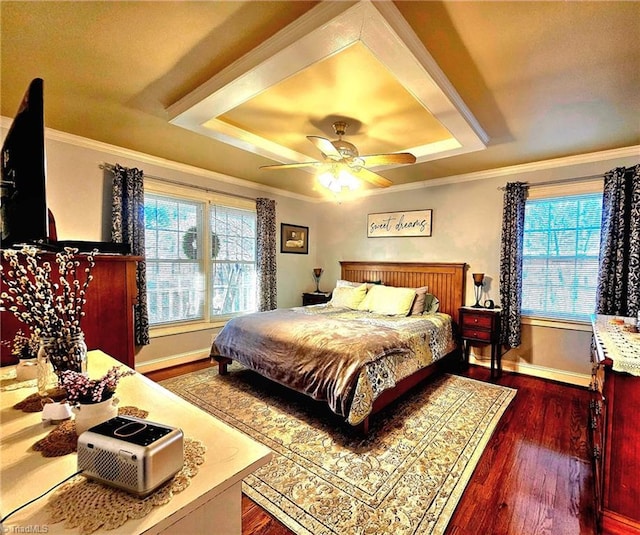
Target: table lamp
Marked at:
478, 279
317, 273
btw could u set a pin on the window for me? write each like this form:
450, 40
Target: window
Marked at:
233, 273
560, 256
190, 279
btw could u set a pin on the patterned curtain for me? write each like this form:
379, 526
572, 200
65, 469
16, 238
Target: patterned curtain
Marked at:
618, 291
515, 196
127, 226
266, 254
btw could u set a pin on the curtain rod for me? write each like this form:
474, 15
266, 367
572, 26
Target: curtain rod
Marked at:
111, 167
561, 181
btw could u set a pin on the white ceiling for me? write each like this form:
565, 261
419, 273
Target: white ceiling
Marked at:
466, 86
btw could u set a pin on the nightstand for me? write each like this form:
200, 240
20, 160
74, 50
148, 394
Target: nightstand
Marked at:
482, 326
315, 298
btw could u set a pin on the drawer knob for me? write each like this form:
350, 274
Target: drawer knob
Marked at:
475, 320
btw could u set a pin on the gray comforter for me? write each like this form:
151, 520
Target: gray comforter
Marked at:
325, 352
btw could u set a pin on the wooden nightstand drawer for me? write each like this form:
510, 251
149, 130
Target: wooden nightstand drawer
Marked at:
480, 326
476, 334
476, 320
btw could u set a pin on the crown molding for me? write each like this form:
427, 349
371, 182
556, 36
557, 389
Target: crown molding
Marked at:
542, 165
116, 151
513, 170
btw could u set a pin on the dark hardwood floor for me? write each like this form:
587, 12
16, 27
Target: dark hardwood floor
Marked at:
534, 476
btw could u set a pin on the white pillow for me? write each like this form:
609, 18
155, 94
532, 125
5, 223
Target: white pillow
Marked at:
341, 283
388, 300
348, 296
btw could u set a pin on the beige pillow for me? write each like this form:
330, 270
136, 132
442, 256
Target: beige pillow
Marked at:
388, 300
418, 303
348, 296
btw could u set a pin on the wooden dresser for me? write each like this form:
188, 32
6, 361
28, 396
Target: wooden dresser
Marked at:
108, 323
614, 429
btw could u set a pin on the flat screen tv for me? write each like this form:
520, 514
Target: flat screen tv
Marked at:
23, 200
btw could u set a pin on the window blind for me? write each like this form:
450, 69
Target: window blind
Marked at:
560, 256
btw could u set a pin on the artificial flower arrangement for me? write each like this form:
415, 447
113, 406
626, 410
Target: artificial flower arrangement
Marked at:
22, 346
25, 348
50, 305
81, 389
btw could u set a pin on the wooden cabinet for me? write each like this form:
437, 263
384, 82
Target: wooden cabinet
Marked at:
481, 326
108, 321
315, 298
614, 433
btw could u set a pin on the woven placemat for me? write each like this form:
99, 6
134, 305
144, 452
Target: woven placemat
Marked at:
88, 505
63, 439
33, 402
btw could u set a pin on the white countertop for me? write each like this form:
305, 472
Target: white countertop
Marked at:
25, 474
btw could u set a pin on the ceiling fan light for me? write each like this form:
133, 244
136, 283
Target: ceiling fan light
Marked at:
338, 180
335, 187
326, 179
347, 180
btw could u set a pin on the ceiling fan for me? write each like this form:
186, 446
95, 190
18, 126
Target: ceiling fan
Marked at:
340, 154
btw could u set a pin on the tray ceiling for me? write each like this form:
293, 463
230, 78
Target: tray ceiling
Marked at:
365, 65
551, 83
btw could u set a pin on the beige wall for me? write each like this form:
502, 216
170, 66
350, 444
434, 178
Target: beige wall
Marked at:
466, 228
79, 195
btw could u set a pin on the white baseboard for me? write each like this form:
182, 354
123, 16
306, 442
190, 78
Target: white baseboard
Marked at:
553, 374
573, 378
173, 360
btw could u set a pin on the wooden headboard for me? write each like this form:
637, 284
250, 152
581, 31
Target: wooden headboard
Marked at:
445, 280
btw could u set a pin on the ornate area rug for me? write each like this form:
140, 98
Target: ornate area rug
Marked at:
405, 477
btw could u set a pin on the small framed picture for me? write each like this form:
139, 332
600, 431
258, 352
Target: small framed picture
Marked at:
294, 239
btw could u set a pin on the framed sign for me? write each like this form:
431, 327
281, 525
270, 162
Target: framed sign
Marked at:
294, 239
399, 224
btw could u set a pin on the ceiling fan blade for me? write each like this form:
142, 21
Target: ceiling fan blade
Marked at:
325, 147
371, 177
291, 165
386, 159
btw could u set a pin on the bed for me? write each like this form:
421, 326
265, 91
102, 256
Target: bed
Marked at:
356, 361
